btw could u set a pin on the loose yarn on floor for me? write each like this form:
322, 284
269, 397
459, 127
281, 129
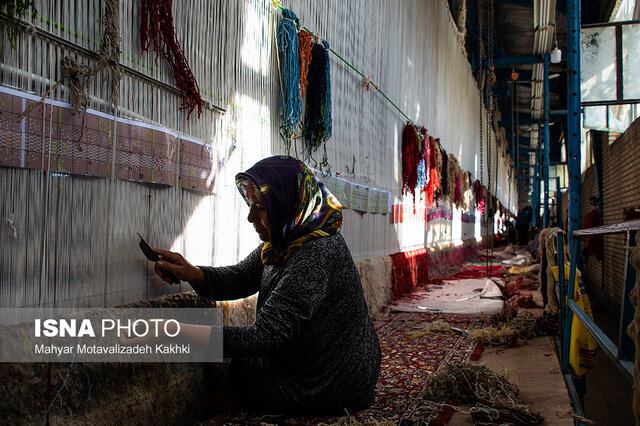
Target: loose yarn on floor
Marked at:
493, 397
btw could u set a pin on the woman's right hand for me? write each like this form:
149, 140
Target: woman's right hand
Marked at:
179, 267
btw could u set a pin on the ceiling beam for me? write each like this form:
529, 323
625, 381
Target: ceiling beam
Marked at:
561, 5
510, 61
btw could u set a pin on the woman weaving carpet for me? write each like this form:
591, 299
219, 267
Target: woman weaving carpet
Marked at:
313, 348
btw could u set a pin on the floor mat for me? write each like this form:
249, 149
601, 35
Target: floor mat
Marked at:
407, 362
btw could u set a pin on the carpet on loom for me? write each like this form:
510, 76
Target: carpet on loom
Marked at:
407, 363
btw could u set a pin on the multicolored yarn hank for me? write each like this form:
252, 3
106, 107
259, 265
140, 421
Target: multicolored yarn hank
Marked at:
156, 27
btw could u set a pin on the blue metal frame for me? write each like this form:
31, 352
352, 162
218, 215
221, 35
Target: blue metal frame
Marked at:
545, 167
558, 203
569, 308
573, 113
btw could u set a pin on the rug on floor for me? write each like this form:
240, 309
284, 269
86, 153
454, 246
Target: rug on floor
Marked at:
407, 362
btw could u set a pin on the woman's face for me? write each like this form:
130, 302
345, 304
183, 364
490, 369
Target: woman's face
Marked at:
258, 213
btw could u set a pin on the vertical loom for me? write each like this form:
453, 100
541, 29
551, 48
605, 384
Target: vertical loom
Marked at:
67, 227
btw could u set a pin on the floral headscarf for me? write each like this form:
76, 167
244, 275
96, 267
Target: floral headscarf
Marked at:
299, 207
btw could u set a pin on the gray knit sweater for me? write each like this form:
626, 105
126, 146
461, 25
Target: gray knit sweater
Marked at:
313, 347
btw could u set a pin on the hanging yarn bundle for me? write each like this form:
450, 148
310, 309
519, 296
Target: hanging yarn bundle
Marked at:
156, 27
108, 57
478, 193
457, 193
422, 175
289, 61
433, 181
306, 41
444, 179
453, 180
410, 159
317, 120
465, 189
437, 193
422, 168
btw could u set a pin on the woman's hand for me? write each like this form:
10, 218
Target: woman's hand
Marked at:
179, 267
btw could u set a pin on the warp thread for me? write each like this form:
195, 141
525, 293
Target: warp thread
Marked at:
287, 39
634, 327
16, 9
317, 120
156, 27
410, 159
306, 41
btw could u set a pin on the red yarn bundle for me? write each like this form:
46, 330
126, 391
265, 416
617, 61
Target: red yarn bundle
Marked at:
410, 159
434, 182
457, 193
156, 26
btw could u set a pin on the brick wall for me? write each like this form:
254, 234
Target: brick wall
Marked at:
620, 190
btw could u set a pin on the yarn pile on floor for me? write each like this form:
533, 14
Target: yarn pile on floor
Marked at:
492, 397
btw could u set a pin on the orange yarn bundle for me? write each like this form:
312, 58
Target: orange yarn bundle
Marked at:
306, 40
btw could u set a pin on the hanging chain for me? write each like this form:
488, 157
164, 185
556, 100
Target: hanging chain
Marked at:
481, 86
490, 82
